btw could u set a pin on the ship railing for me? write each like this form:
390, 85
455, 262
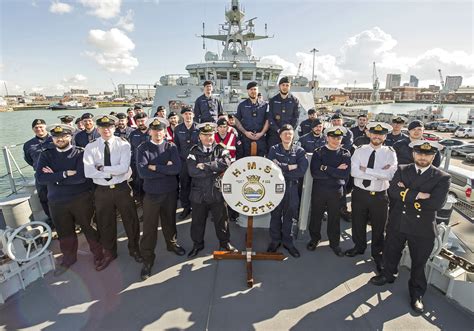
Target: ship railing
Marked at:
13, 171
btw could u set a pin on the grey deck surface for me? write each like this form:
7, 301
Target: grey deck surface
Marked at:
318, 291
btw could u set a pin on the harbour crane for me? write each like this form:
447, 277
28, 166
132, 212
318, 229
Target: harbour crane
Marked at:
375, 96
298, 72
442, 91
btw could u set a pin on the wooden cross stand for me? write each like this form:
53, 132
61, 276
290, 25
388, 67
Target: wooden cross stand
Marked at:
249, 254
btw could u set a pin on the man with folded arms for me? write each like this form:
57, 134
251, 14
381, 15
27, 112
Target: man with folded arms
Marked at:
70, 195
107, 162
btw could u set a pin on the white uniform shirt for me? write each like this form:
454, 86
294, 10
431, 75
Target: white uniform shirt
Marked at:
380, 178
120, 154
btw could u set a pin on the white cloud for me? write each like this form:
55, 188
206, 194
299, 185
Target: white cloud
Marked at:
289, 68
113, 50
105, 9
76, 81
60, 8
354, 60
37, 89
126, 22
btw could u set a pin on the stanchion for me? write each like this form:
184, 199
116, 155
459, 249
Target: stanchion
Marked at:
249, 255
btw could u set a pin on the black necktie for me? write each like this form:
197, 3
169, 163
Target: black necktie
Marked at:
419, 172
107, 157
370, 164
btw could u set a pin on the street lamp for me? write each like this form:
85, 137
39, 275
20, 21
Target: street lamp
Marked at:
314, 50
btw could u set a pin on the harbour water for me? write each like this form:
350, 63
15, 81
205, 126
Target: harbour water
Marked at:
15, 127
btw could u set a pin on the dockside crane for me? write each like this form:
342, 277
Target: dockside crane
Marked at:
442, 91
375, 96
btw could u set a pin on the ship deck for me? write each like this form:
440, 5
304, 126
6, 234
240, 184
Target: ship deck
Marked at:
317, 291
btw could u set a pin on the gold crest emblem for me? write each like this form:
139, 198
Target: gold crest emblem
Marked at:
208, 127
378, 128
253, 190
338, 132
105, 119
425, 146
156, 122
58, 129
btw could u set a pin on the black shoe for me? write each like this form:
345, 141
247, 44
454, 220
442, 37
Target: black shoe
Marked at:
195, 251
62, 268
346, 215
137, 256
417, 305
293, 251
311, 246
272, 248
381, 280
105, 262
178, 250
353, 252
228, 247
338, 251
146, 271
185, 213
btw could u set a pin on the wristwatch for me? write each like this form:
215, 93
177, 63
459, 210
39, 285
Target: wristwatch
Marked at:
323, 167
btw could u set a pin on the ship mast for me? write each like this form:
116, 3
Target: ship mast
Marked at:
235, 34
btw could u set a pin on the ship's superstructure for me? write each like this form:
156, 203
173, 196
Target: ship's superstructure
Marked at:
230, 71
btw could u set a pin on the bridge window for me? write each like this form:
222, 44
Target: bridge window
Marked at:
247, 75
234, 75
221, 75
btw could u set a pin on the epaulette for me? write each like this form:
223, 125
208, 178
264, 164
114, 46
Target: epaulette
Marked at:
93, 140
193, 148
391, 148
346, 150
79, 148
124, 139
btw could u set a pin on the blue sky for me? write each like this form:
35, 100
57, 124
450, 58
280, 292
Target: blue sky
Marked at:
50, 46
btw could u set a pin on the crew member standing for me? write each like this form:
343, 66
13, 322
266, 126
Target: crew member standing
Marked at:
89, 133
107, 162
359, 130
131, 118
372, 167
122, 130
283, 109
330, 168
293, 163
158, 163
70, 196
315, 138
418, 191
206, 163
307, 124
396, 134
226, 138
347, 141
207, 107
186, 136
173, 119
137, 137
252, 122
31, 152
405, 152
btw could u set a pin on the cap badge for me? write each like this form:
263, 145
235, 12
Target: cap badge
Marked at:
425, 146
